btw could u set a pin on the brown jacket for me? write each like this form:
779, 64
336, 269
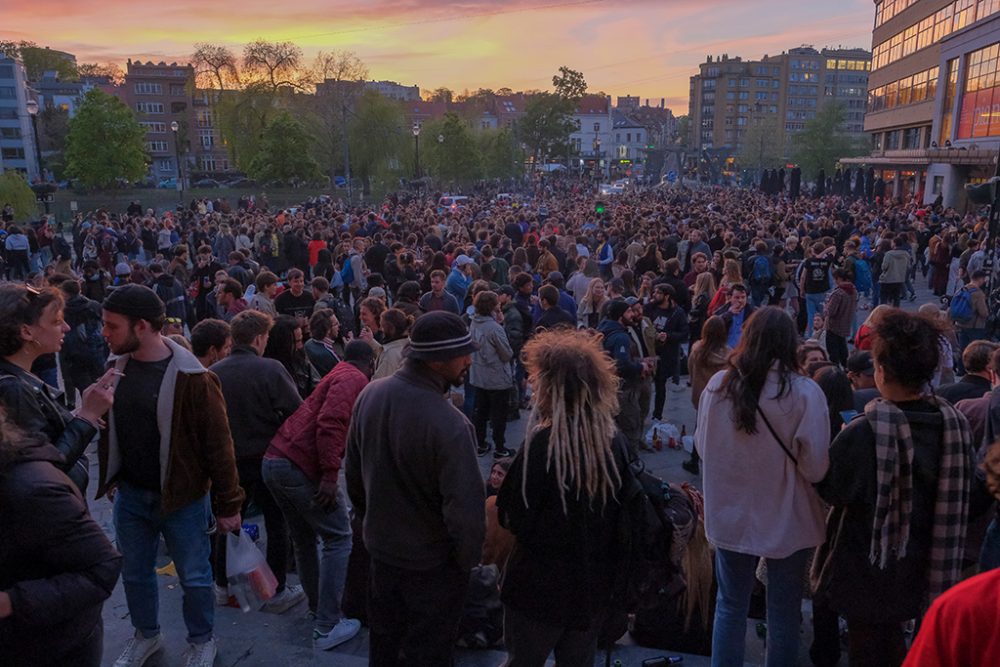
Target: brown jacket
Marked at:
700, 374
196, 448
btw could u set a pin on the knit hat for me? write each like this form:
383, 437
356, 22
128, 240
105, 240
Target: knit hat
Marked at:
377, 292
616, 309
123, 269
136, 301
439, 336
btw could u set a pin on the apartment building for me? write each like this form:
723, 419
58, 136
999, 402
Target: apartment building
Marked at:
17, 139
930, 105
784, 92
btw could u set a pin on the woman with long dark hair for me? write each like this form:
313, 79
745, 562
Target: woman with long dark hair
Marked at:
763, 433
285, 344
708, 356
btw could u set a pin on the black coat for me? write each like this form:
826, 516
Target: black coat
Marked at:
34, 407
56, 563
970, 386
858, 589
564, 566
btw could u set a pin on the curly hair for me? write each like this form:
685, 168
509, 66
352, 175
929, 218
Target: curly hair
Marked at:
21, 305
576, 396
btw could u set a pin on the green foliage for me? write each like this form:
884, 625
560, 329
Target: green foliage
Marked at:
38, 60
283, 153
546, 125
823, 142
761, 148
14, 190
502, 156
243, 115
53, 128
569, 84
105, 142
377, 142
457, 157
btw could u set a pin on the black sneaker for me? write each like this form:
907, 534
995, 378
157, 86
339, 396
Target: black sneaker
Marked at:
482, 450
503, 453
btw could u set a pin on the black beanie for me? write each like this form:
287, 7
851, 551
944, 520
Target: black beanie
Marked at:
136, 301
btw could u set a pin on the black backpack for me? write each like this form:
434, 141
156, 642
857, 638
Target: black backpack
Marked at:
84, 345
653, 514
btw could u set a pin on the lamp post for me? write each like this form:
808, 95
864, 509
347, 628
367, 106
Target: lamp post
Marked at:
31, 106
416, 150
174, 126
597, 155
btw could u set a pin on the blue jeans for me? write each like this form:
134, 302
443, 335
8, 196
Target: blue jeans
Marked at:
323, 580
735, 573
814, 306
139, 524
989, 557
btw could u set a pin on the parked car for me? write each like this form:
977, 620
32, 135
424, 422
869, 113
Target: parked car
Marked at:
168, 183
241, 182
206, 183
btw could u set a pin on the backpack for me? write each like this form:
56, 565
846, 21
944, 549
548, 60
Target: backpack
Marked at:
961, 310
862, 275
84, 345
762, 273
655, 517
344, 314
347, 272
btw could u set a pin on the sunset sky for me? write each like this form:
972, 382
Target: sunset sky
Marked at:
647, 48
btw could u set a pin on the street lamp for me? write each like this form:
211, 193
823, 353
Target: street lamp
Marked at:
597, 155
31, 106
174, 126
416, 149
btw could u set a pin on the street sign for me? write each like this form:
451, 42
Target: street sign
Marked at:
73, 206
671, 176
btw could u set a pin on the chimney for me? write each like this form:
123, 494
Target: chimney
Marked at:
663, 102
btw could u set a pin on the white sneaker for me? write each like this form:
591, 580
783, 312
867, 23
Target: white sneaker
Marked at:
200, 655
221, 595
285, 600
340, 633
138, 650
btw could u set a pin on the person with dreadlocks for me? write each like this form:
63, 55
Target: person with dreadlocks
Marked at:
899, 484
763, 433
561, 501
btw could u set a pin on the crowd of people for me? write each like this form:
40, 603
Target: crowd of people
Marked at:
340, 369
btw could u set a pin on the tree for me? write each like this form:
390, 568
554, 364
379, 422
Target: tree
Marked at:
243, 115
760, 147
14, 190
822, 142
546, 125
276, 64
283, 153
105, 142
215, 65
341, 66
113, 71
501, 154
569, 84
53, 128
457, 157
376, 139
324, 114
38, 60
441, 95
682, 128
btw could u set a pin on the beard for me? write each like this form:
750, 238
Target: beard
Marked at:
459, 380
128, 346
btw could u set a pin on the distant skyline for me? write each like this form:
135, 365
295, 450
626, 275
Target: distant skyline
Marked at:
645, 48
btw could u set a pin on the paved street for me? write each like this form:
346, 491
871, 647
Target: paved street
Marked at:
265, 639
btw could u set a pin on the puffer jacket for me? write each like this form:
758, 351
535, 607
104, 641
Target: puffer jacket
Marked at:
491, 363
56, 563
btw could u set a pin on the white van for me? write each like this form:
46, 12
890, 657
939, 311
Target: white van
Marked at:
452, 202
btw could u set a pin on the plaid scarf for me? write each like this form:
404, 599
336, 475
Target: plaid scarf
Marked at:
894, 499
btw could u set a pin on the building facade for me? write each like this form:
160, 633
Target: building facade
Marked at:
17, 139
593, 138
782, 93
931, 105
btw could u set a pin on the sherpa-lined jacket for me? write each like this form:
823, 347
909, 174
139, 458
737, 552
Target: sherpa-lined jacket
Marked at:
196, 448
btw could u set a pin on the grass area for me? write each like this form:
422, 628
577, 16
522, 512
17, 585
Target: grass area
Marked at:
163, 200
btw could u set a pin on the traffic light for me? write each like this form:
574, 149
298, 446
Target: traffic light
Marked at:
599, 208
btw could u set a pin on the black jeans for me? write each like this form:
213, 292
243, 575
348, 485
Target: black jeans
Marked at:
529, 641
274, 524
891, 293
666, 368
836, 347
414, 615
875, 644
491, 407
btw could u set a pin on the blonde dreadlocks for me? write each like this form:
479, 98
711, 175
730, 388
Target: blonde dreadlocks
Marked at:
575, 387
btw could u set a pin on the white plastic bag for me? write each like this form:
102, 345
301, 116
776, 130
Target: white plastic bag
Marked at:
665, 430
251, 580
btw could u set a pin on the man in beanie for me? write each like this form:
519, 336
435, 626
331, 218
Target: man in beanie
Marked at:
623, 349
167, 459
413, 477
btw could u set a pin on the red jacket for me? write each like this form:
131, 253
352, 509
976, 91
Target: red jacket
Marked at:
315, 436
